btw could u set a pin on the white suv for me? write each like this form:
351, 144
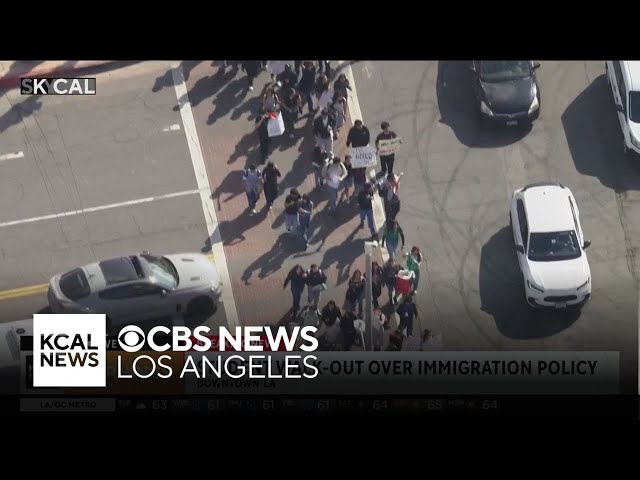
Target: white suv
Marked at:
624, 78
550, 246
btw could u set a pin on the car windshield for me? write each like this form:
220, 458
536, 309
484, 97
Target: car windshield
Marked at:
554, 246
163, 272
634, 106
502, 70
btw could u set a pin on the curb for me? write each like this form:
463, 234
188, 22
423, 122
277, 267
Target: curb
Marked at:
13, 80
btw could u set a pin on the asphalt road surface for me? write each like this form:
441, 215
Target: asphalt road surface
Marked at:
456, 189
125, 144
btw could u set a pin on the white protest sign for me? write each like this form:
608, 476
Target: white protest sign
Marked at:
363, 157
389, 146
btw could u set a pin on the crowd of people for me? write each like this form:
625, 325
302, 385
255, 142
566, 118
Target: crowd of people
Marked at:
295, 85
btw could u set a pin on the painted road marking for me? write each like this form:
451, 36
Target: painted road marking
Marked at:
43, 287
172, 128
100, 208
204, 187
23, 291
11, 156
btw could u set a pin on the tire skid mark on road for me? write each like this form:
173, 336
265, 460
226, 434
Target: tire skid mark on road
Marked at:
442, 218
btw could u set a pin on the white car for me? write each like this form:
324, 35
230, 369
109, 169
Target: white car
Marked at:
623, 77
550, 246
135, 288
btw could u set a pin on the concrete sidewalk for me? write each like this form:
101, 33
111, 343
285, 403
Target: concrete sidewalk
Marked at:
11, 71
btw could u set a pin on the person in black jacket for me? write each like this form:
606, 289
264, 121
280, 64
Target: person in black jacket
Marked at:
389, 274
270, 176
252, 69
355, 293
348, 330
307, 83
386, 161
319, 159
358, 135
287, 77
316, 284
376, 283
323, 128
365, 198
298, 278
331, 313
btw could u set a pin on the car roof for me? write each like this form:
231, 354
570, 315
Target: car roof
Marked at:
548, 208
113, 271
633, 69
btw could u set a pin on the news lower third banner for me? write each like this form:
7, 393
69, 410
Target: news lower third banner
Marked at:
349, 373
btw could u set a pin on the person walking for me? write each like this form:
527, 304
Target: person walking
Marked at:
348, 180
323, 127
392, 207
392, 235
307, 83
270, 177
389, 274
365, 199
316, 284
407, 311
298, 279
252, 178
338, 109
335, 172
359, 180
355, 293
386, 161
305, 214
270, 100
342, 85
291, 219
287, 78
358, 135
262, 127
376, 283
330, 313
348, 328
414, 259
291, 107
319, 160
324, 66
252, 69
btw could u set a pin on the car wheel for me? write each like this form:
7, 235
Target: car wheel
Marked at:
200, 306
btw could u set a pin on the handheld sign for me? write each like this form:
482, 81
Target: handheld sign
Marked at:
389, 147
363, 157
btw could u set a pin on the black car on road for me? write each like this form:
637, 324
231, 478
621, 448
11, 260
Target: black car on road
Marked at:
506, 91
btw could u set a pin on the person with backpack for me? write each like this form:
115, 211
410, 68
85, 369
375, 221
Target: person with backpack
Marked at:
392, 234
270, 177
252, 178
316, 284
298, 279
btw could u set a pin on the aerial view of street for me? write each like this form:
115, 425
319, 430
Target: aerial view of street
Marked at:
160, 160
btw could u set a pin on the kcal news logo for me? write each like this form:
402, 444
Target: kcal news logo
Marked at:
57, 86
69, 350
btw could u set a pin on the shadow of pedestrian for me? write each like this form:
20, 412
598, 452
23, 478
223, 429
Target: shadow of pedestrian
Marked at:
251, 106
595, 139
19, 111
232, 231
502, 294
246, 147
271, 261
456, 104
206, 87
227, 99
326, 224
232, 184
343, 256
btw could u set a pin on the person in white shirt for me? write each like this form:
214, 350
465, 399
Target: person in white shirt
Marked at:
334, 173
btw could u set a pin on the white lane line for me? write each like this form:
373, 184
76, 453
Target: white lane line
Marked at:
11, 156
356, 114
110, 206
204, 187
172, 128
